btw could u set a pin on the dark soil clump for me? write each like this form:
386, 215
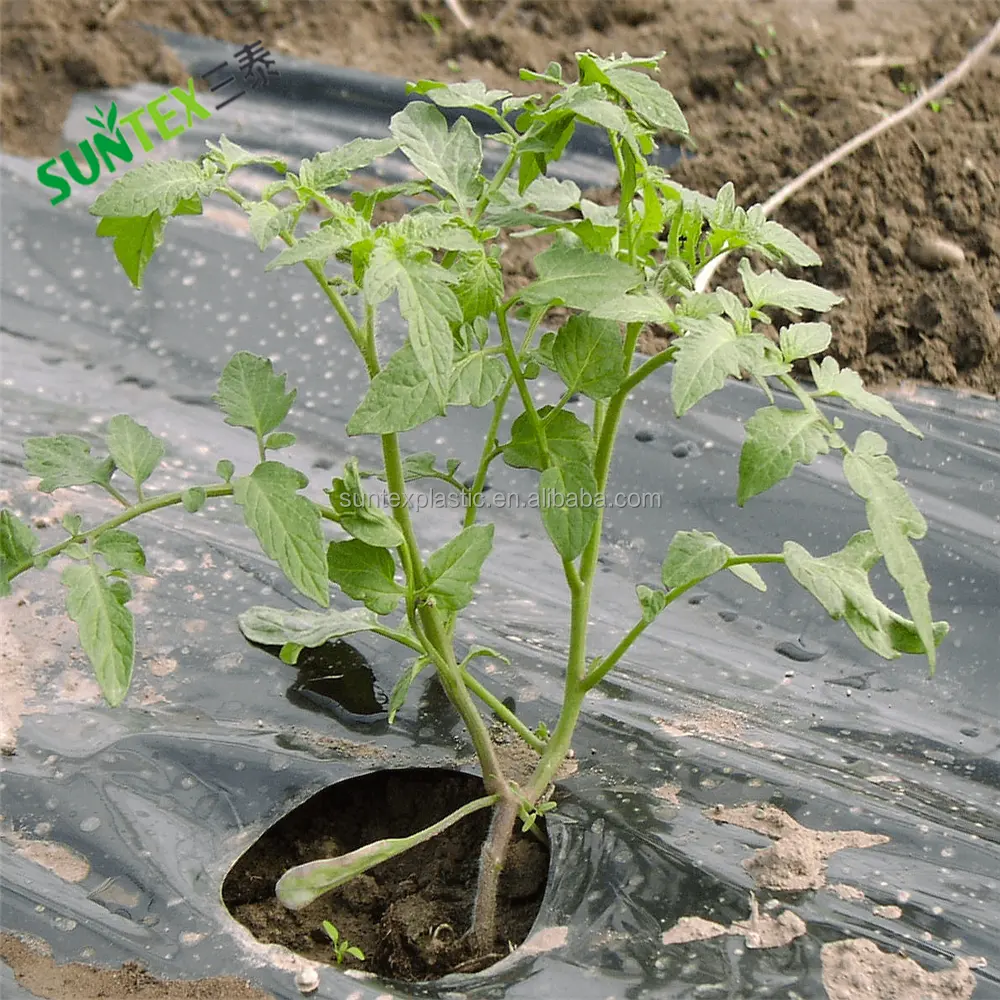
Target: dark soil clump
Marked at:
409, 914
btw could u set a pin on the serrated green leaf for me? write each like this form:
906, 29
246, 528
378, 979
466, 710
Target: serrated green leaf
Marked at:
336, 234
841, 585
231, 156
894, 520
800, 340
135, 449
427, 304
432, 228
358, 516
287, 525
651, 601
267, 221
654, 105
399, 398
588, 354
772, 288
279, 440
423, 465
709, 353
568, 438
470, 94
105, 626
568, 493
397, 697
365, 573
122, 551
832, 380
76, 551
136, 240
639, 307
18, 543
333, 167
450, 159
784, 243
194, 499
454, 569
225, 469
589, 102
72, 523
302, 626
476, 380
365, 201
479, 287
65, 460
251, 395
692, 556
154, 187
576, 277
777, 440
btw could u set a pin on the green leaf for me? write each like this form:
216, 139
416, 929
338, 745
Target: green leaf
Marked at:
365, 573
17, 544
590, 103
479, 288
422, 465
638, 307
588, 355
800, 340
832, 380
289, 653
365, 201
122, 551
471, 94
267, 221
251, 395
427, 304
840, 583
333, 236
777, 440
654, 105
894, 520
477, 379
451, 159
76, 551
651, 601
709, 353
569, 439
333, 167
358, 517
397, 697
136, 451
230, 156
225, 469
279, 440
783, 242
692, 556
454, 568
568, 504
576, 277
194, 499
749, 575
72, 523
302, 627
772, 288
287, 525
155, 187
399, 398
136, 240
65, 460
106, 628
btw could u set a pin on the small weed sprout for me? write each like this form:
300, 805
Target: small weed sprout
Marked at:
341, 946
472, 342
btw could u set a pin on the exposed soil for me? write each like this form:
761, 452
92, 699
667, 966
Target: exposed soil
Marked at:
407, 915
760, 931
769, 87
39, 973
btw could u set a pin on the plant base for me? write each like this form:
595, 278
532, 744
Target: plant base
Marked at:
408, 915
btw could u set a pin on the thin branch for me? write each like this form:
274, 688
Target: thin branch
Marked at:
946, 83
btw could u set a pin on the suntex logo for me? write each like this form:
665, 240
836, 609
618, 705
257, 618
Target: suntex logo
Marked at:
111, 143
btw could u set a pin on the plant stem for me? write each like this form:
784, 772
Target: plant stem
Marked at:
133, 511
491, 862
502, 712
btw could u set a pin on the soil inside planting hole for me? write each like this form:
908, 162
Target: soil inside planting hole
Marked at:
409, 914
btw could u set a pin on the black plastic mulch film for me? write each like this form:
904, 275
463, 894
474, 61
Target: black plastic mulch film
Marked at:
163, 794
